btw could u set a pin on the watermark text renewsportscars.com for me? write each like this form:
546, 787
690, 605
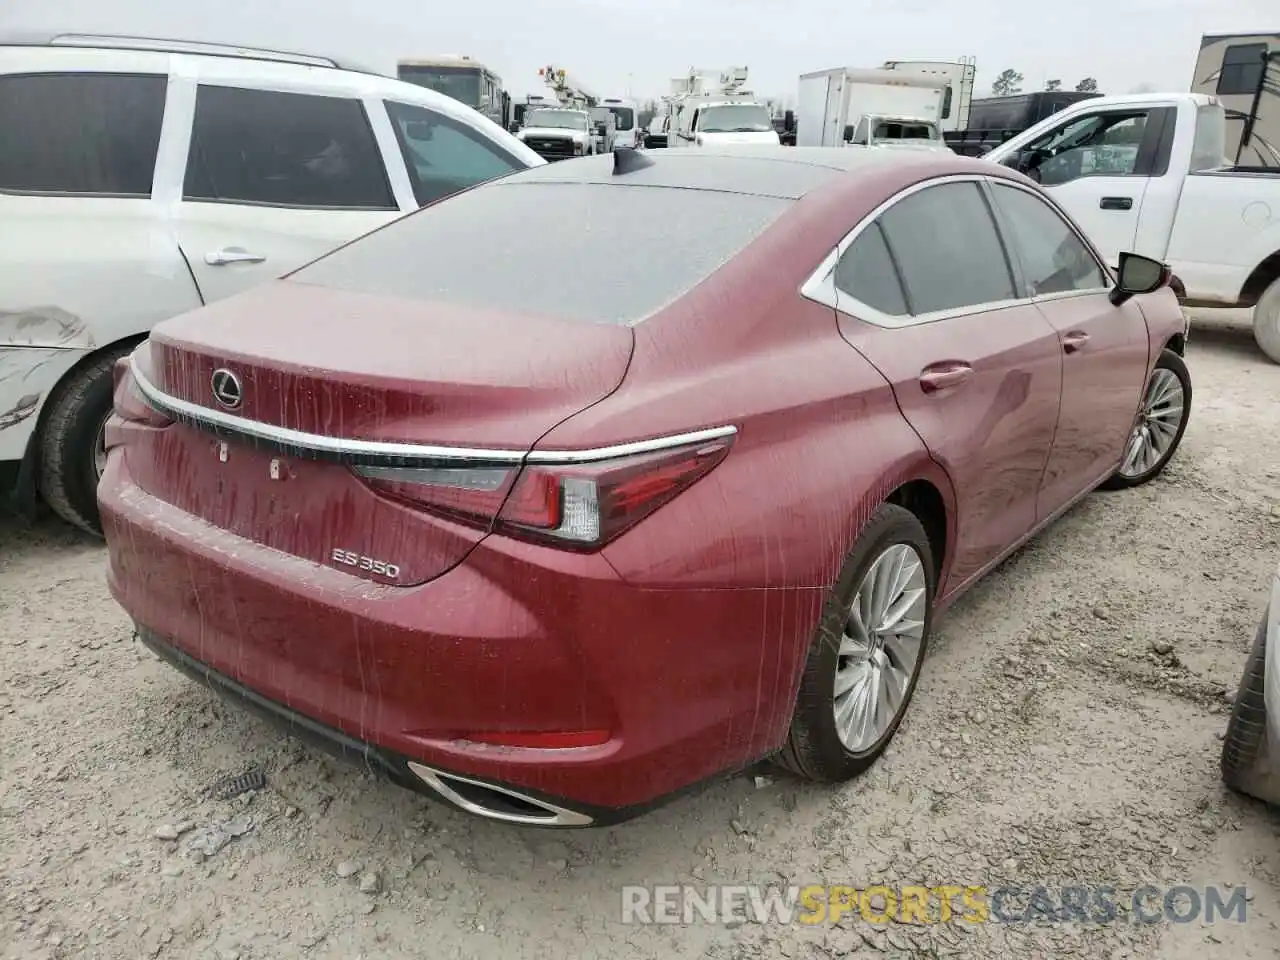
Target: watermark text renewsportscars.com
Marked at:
960, 903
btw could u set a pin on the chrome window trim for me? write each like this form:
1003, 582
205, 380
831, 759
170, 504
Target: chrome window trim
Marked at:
820, 286
398, 452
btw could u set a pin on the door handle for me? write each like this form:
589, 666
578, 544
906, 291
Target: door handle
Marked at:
944, 376
219, 258
1074, 341
1116, 203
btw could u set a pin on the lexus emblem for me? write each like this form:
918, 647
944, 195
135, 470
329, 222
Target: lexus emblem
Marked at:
226, 388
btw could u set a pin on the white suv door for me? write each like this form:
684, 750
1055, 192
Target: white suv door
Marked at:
274, 179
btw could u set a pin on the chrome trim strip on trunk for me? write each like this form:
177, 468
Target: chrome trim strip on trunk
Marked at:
400, 452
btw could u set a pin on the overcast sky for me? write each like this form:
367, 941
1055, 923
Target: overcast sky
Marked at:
616, 45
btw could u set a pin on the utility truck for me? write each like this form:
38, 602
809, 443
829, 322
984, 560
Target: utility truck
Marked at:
958, 95
559, 133
714, 108
832, 104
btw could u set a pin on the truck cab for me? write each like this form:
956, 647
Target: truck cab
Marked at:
911, 133
1150, 173
559, 133
713, 122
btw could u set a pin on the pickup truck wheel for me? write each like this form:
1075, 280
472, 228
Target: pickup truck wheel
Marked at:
1159, 426
1266, 321
72, 454
1246, 764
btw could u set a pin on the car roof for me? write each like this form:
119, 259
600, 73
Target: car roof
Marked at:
109, 41
784, 172
235, 66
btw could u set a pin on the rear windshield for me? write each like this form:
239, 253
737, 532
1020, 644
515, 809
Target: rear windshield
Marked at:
593, 252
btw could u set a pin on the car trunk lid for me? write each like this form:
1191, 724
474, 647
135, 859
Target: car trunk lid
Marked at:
327, 382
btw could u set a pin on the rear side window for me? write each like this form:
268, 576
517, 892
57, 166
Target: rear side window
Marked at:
945, 244
592, 252
284, 149
866, 272
82, 133
443, 155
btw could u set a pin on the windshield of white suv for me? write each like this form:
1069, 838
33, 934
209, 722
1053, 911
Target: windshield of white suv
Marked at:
556, 119
735, 118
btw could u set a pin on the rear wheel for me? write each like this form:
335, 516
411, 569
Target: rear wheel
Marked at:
72, 448
1159, 426
1246, 765
864, 661
1266, 321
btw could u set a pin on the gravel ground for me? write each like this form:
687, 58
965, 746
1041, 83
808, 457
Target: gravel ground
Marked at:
1065, 731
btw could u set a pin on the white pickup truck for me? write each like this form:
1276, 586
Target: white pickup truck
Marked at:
1149, 173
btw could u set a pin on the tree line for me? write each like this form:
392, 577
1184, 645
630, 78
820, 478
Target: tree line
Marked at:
1010, 82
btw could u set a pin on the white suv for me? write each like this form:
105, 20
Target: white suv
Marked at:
142, 178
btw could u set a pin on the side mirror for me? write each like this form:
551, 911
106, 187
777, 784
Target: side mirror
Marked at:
789, 120
1137, 275
848, 133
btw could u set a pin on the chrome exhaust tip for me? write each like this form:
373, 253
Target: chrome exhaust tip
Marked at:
496, 803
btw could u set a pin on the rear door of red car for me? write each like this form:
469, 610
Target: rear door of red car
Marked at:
1105, 348
926, 292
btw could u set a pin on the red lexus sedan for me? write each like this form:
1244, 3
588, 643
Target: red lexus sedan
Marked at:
555, 543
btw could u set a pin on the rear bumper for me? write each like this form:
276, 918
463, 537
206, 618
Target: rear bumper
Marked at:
529, 807
684, 684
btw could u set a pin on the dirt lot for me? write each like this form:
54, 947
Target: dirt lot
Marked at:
1065, 731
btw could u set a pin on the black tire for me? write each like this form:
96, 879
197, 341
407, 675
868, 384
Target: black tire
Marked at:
1170, 361
1245, 761
79, 405
813, 749
1266, 322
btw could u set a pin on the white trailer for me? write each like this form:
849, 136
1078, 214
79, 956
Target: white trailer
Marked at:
831, 102
959, 76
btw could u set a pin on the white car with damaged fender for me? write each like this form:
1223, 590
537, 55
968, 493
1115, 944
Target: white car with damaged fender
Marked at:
142, 178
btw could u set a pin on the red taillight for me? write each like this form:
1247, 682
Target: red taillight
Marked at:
469, 494
581, 506
128, 401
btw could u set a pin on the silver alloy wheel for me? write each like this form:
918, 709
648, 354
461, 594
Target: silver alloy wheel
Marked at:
100, 450
880, 648
1157, 425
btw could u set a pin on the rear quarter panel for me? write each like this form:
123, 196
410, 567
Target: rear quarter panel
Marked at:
821, 443
821, 440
